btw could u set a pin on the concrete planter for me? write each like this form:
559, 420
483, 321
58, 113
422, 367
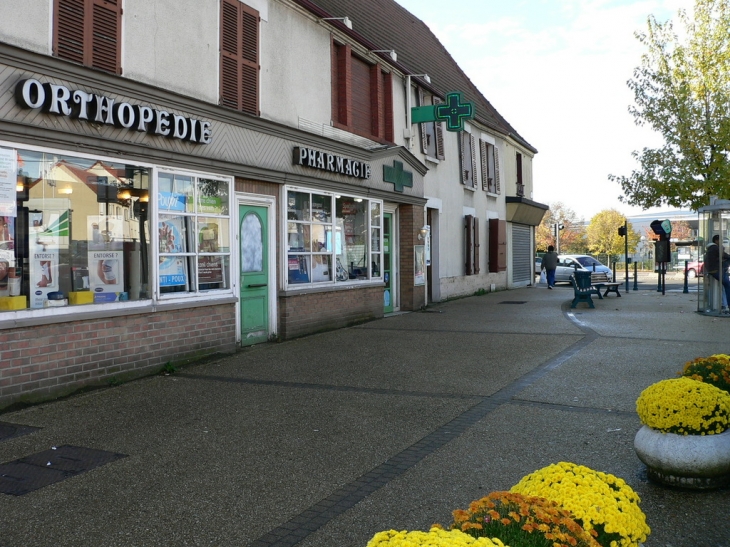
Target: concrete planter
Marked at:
699, 462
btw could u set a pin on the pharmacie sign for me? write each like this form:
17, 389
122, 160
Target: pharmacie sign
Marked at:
93, 108
325, 161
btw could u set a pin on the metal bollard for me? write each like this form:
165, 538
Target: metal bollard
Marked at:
636, 277
685, 290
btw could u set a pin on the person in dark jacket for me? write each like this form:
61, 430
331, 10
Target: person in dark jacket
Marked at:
715, 266
550, 264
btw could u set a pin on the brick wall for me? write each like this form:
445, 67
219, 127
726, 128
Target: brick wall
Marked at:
42, 362
411, 220
318, 311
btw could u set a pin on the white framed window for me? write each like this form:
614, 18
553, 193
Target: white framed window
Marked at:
193, 233
331, 238
468, 159
489, 163
82, 231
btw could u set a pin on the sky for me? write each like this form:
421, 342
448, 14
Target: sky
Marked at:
556, 70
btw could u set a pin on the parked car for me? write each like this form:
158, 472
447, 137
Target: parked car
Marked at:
538, 265
567, 264
695, 269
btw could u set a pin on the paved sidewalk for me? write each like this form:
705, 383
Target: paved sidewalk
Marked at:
325, 440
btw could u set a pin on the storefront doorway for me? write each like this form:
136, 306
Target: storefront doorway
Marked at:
254, 287
388, 270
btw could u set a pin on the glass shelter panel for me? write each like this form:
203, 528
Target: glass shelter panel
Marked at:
714, 251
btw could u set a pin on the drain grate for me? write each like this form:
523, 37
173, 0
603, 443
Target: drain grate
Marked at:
38, 470
10, 431
513, 302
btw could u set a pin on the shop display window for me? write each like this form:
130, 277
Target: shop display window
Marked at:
193, 234
77, 230
332, 238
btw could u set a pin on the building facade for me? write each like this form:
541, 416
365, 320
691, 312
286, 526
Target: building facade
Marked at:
242, 172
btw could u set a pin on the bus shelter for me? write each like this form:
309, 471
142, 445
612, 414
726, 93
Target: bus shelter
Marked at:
712, 248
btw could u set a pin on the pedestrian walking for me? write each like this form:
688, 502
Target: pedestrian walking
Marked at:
549, 264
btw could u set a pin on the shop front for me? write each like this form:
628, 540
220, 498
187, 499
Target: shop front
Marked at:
134, 234
112, 262
348, 240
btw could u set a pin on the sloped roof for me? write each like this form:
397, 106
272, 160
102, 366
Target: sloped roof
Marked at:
385, 24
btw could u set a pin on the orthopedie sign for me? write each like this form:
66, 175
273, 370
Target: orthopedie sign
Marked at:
325, 161
93, 108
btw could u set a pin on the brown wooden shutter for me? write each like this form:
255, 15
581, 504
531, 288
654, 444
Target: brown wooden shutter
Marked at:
422, 126
496, 169
485, 170
462, 157
376, 101
250, 60
239, 57
361, 99
473, 144
230, 55
344, 85
388, 106
88, 32
105, 35
69, 30
334, 80
439, 126
497, 245
469, 240
476, 245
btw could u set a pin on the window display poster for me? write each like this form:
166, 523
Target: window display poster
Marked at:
419, 267
171, 235
8, 181
173, 271
43, 272
7, 233
106, 275
210, 269
171, 201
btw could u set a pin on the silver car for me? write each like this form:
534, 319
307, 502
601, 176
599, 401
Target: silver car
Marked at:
567, 264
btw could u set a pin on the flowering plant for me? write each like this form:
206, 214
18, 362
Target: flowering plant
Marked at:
684, 406
522, 521
599, 501
436, 537
714, 370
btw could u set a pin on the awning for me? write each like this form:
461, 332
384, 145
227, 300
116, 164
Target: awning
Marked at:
525, 211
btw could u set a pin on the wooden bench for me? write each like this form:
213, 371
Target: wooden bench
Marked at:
600, 281
583, 289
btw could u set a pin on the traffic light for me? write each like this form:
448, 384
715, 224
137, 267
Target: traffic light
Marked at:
622, 231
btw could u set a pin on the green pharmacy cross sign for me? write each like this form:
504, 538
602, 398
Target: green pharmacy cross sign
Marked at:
454, 111
397, 176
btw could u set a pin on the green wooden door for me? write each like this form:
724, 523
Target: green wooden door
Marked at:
254, 274
388, 295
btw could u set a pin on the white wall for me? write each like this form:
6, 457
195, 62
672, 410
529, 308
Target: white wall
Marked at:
26, 24
295, 68
173, 45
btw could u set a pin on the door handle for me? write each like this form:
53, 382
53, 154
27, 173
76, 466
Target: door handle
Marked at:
254, 285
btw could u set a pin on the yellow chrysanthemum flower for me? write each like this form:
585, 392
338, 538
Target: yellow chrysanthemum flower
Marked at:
436, 537
684, 406
598, 501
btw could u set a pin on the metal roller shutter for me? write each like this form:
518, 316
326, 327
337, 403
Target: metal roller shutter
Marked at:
520, 253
